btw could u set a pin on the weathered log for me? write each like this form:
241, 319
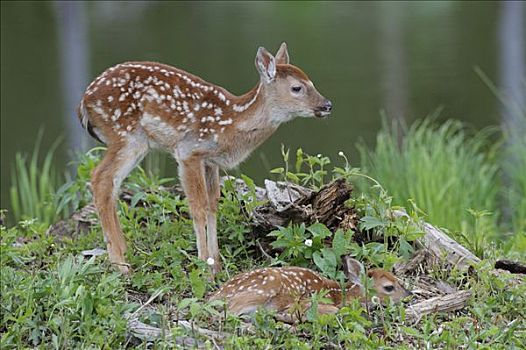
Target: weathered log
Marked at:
289, 203
511, 266
441, 246
146, 332
446, 303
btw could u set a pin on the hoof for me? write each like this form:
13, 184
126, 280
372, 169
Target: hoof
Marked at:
123, 268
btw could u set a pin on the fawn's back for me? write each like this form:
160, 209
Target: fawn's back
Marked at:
156, 102
282, 288
180, 112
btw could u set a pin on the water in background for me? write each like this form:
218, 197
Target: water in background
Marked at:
405, 58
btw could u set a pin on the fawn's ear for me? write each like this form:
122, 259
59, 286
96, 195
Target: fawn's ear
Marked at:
266, 65
282, 56
352, 269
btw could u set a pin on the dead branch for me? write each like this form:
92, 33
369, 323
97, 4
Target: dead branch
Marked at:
511, 266
149, 333
441, 246
446, 303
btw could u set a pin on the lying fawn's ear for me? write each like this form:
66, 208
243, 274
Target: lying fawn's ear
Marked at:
266, 65
282, 56
352, 269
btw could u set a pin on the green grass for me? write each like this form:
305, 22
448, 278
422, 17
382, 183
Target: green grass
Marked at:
34, 183
53, 297
452, 174
514, 169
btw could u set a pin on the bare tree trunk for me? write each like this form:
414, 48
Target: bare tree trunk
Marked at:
512, 73
73, 45
394, 63
512, 60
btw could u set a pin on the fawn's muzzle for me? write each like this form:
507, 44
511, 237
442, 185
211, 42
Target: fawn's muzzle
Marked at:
323, 110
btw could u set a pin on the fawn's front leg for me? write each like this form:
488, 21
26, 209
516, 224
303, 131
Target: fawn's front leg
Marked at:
213, 191
192, 175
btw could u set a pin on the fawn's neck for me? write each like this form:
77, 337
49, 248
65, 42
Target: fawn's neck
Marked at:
256, 111
336, 294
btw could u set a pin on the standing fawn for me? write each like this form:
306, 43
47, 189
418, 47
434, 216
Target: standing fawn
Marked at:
287, 290
136, 106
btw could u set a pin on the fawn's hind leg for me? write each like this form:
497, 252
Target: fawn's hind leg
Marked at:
107, 177
213, 192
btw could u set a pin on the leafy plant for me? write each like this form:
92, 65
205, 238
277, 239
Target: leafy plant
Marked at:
309, 170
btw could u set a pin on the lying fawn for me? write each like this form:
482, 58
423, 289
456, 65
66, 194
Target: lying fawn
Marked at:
136, 106
283, 289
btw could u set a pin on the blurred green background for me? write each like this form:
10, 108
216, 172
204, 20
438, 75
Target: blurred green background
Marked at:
406, 58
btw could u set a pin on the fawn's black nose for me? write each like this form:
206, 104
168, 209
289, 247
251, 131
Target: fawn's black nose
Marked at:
323, 110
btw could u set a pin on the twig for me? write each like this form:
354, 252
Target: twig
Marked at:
269, 258
152, 298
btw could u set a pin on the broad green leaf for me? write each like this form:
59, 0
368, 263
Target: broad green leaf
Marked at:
198, 285
370, 222
405, 250
339, 243
319, 230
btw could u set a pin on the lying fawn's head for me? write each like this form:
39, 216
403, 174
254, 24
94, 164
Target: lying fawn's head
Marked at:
385, 283
288, 90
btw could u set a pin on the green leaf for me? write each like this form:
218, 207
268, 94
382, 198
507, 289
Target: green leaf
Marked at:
299, 159
339, 243
312, 312
326, 261
279, 170
405, 249
319, 230
136, 198
185, 302
249, 182
293, 177
370, 222
198, 285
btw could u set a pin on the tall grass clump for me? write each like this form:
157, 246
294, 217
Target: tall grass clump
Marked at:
34, 183
513, 160
514, 167
447, 172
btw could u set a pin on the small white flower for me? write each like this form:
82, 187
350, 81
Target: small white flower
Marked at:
341, 154
210, 261
319, 155
308, 242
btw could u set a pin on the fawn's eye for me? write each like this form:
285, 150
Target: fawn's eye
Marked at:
296, 88
389, 289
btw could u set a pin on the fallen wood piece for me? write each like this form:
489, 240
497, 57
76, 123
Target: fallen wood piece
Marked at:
511, 266
149, 333
146, 332
446, 303
203, 331
441, 246
413, 265
293, 203
93, 252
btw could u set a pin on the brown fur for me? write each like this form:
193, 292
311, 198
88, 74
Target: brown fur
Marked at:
288, 290
136, 106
